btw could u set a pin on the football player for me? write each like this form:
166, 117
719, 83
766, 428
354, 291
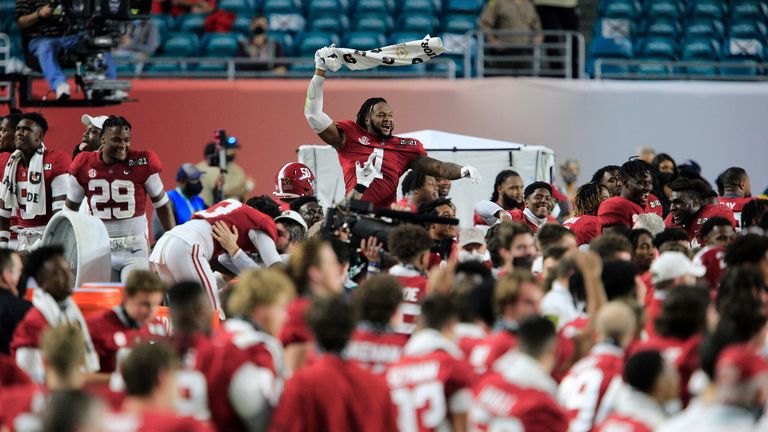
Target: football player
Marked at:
636, 180
584, 223
410, 244
737, 191
369, 139
716, 234
689, 209
116, 182
292, 181
538, 206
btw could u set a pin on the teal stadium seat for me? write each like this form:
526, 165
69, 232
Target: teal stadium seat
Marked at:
377, 23
311, 41
364, 40
372, 6
712, 9
292, 22
464, 6
700, 49
704, 28
657, 49
242, 25
331, 23
748, 53
459, 23
604, 48
748, 29
663, 27
285, 39
425, 24
626, 9
282, 7
236, 6
749, 10
179, 44
218, 45
166, 24
613, 28
672, 9
425, 7
317, 8
192, 23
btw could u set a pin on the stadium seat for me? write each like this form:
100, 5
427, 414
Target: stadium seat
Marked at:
700, 49
192, 23
464, 6
751, 49
372, 6
284, 39
459, 23
242, 25
236, 6
657, 50
425, 24
181, 44
417, 7
329, 23
672, 9
403, 37
317, 8
613, 28
604, 48
218, 45
662, 27
293, 22
712, 9
704, 28
748, 29
372, 23
165, 23
626, 9
741, 67
749, 10
364, 40
311, 41
282, 7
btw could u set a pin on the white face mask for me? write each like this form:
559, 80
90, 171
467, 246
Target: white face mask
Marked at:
465, 256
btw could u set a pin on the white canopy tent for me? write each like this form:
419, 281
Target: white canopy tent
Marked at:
487, 155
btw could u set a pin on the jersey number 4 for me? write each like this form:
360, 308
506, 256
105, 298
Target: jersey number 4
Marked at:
119, 191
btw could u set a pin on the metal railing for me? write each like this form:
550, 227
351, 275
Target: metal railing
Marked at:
624, 69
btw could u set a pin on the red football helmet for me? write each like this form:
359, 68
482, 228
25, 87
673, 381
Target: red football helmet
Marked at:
294, 180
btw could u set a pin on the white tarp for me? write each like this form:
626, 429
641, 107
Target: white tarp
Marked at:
489, 156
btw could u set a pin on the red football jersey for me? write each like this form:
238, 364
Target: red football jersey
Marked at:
486, 352
29, 331
110, 335
117, 191
589, 389
10, 374
295, 330
153, 422
585, 227
394, 156
414, 285
736, 204
683, 353
616, 422
374, 350
621, 211
22, 405
244, 217
428, 388
713, 259
204, 380
654, 205
262, 349
519, 216
334, 395
693, 227
55, 166
499, 405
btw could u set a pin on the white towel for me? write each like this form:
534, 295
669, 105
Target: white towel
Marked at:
35, 183
409, 53
71, 315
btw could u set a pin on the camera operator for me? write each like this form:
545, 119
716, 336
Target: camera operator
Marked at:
236, 183
46, 32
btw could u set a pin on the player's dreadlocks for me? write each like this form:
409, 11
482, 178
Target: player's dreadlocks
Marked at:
634, 168
501, 178
116, 122
365, 110
587, 199
698, 188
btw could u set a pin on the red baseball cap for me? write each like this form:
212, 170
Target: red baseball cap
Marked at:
738, 364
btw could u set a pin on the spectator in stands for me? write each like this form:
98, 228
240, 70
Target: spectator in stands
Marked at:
308, 405
410, 244
511, 16
12, 307
291, 230
511, 245
7, 134
569, 173
672, 239
181, 7
91, 140
584, 222
185, 200
47, 38
417, 189
131, 321
665, 172
258, 47
689, 208
309, 208
664, 164
652, 382
140, 40
671, 269
651, 222
608, 176
443, 187
234, 184
538, 206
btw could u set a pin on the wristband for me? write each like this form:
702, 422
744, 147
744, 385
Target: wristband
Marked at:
5, 236
360, 188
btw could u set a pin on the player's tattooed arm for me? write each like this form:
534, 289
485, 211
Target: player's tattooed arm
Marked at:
435, 168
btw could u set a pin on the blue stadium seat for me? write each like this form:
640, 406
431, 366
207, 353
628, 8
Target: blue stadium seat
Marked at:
364, 40
373, 6
181, 44
751, 49
331, 23
404, 36
613, 28
377, 23
712, 9
704, 28
311, 41
417, 7
284, 39
425, 24
663, 9
656, 49
293, 22
192, 23
662, 27
604, 48
626, 9
236, 6
282, 7
749, 10
242, 25
748, 29
700, 49
165, 23
459, 23
464, 6
317, 8
741, 67
218, 45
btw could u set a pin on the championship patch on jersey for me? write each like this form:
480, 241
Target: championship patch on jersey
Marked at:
91, 173
138, 162
35, 177
364, 140
408, 141
48, 166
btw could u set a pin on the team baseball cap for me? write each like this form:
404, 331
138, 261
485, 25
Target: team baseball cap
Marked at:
96, 121
670, 265
739, 364
469, 236
293, 216
188, 171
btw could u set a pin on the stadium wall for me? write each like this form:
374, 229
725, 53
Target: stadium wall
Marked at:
717, 124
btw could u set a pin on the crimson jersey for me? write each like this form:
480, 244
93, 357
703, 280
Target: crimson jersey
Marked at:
621, 211
499, 405
244, 217
262, 349
111, 333
414, 284
54, 177
518, 215
713, 259
430, 383
693, 227
22, 406
486, 352
620, 423
736, 204
29, 331
10, 374
374, 350
683, 353
295, 330
334, 395
589, 389
393, 157
585, 227
153, 422
117, 191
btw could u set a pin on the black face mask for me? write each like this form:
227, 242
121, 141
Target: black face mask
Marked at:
257, 31
192, 189
664, 178
523, 262
230, 158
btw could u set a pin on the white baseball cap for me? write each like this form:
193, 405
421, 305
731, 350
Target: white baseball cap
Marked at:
96, 121
670, 265
471, 236
293, 216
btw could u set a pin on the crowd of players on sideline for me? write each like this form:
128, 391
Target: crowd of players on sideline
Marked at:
643, 308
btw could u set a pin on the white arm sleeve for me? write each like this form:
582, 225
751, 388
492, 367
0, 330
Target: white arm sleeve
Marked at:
30, 360
488, 210
75, 193
250, 392
60, 185
238, 263
313, 106
154, 188
265, 246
